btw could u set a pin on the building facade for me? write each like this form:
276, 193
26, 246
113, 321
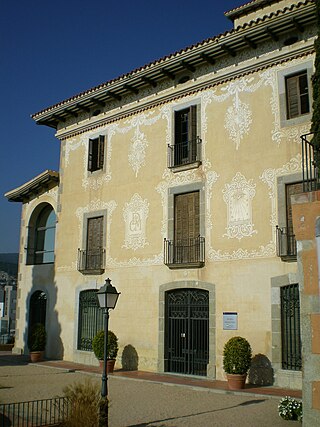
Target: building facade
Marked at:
175, 182
8, 297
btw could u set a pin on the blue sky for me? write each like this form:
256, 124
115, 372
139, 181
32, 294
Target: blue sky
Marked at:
52, 50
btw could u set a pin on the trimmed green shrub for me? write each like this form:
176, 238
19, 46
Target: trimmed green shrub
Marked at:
237, 355
37, 338
98, 345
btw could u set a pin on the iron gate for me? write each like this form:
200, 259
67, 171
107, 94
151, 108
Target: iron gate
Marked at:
290, 327
187, 331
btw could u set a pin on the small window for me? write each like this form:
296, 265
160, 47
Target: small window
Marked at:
297, 95
96, 153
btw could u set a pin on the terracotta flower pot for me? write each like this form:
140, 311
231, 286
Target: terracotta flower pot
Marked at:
110, 365
36, 356
236, 381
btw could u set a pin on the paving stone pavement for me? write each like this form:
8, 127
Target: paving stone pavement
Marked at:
139, 402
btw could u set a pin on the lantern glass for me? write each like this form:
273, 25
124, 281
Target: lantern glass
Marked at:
108, 295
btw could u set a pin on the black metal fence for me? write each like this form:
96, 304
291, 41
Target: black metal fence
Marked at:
286, 244
290, 327
310, 170
184, 251
35, 413
184, 153
91, 261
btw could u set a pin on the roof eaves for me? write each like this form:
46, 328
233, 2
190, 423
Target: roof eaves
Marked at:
165, 60
42, 180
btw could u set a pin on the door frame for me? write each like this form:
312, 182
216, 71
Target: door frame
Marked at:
189, 284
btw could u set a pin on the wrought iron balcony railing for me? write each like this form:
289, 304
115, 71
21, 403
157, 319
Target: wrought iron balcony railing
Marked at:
310, 161
286, 244
91, 262
184, 253
184, 153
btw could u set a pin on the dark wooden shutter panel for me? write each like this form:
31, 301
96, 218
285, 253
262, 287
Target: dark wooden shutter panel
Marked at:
101, 152
291, 189
187, 217
177, 127
193, 123
95, 233
193, 132
90, 154
293, 96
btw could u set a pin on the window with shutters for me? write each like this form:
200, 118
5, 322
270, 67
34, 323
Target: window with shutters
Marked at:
91, 259
297, 95
186, 149
96, 153
186, 249
286, 241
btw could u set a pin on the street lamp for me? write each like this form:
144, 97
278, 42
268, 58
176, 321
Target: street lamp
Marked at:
107, 297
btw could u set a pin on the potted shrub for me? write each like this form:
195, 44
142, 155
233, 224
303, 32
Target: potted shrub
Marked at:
37, 339
112, 350
237, 355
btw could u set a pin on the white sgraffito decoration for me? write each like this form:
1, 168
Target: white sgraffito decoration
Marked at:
238, 196
135, 214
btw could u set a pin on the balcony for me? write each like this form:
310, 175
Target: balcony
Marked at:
185, 253
185, 155
286, 244
91, 262
310, 158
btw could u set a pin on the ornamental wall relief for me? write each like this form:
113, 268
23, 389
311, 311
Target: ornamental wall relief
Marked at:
238, 120
238, 196
135, 214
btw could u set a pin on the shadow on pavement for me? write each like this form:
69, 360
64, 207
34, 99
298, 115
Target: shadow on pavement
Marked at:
246, 403
13, 359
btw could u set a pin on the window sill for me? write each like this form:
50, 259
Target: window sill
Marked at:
288, 258
182, 168
176, 266
92, 272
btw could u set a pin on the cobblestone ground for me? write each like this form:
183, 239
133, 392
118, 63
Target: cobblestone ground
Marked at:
136, 403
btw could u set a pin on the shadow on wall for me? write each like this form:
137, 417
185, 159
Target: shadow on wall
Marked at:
40, 308
129, 358
261, 371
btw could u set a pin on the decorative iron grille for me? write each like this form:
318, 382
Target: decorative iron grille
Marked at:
91, 261
310, 170
91, 319
187, 331
286, 244
185, 251
184, 153
290, 327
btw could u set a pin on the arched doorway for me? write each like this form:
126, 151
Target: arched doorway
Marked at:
38, 308
187, 331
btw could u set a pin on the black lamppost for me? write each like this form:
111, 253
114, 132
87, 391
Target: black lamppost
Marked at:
107, 297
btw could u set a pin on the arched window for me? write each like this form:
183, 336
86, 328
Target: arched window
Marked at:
41, 239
